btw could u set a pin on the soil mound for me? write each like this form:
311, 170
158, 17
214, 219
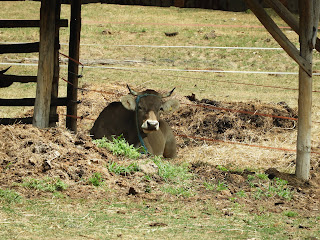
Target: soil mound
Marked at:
28, 152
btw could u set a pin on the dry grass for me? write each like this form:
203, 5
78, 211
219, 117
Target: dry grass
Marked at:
107, 25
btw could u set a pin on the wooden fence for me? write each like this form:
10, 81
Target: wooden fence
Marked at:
226, 5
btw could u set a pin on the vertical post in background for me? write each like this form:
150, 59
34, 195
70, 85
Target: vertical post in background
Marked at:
46, 64
73, 67
56, 71
308, 27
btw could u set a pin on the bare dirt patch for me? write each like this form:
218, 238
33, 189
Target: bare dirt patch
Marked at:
28, 152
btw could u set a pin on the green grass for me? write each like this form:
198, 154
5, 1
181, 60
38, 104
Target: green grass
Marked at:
179, 217
47, 184
262, 187
173, 173
8, 196
96, 179
76, 219
122, 169
118, 146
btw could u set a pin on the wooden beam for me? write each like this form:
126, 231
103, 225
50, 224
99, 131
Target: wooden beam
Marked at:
56, 70
278, 35
288, 17
309, 19
26, 120
73, 68
27, 23
15, 78
19, 48
46, 64
30, 102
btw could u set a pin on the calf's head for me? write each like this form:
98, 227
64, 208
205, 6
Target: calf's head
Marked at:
148, 105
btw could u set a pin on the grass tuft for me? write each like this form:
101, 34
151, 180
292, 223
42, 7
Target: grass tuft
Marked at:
9, 196
46, 184
121, 169
118, 146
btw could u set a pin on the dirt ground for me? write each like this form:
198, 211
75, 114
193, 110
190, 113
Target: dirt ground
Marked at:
28, 152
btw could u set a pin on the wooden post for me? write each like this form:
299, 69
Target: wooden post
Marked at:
46, 64
309, 17
73, 67
55, 83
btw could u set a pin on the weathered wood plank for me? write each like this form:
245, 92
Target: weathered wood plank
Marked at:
26, 120
288, 17
16, 78
15, 23
309, 19
30, 102
19, 48
278, 35
46, 64
73, 68
56, 70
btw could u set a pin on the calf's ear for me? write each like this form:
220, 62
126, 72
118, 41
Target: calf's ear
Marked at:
129, 102
170, 105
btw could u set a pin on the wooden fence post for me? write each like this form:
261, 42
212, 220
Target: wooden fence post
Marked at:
46, 64
55, 81
309, 17
73, 67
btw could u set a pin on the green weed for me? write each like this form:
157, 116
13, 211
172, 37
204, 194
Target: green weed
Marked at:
46, 185
241, 194
222, 168
222, 186
118, 146
218, 187
209, 186
262, 176
179, 191
96, 179
123, 170
290, 214
172, 173
9, 196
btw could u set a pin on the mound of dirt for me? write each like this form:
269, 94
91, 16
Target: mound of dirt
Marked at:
28, 152
232, 121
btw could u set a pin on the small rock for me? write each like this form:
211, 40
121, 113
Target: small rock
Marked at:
149, 168
158, 224
210, 35
226, 193
46, 166
172, 34
106, 32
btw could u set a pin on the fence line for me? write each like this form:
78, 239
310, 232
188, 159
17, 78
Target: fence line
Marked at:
213, 140
166, 46
183, 24
240, 111
171, 69
143, 70
205, 106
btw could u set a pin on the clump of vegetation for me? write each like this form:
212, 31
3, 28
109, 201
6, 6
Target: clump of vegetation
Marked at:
96, 179
263, 187
290, 214
176, 176
46, 184
123, 170
9, 196
172, 173
119, 146
220, 186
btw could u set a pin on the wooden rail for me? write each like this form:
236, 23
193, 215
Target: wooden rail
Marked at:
19, 48
26, 120
31, 101
13, 23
